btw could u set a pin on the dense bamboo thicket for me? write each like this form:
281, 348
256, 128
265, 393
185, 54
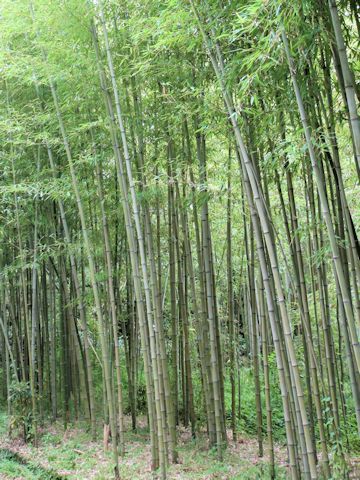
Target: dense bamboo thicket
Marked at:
179, 221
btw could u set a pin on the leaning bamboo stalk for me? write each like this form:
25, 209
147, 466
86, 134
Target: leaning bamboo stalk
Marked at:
133, 256
348, 82
141, 244
114, 321
346, 297
266, 228
92, 271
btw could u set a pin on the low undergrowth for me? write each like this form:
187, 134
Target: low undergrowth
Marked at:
74, 456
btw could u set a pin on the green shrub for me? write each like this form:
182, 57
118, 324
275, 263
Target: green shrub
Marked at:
21, 418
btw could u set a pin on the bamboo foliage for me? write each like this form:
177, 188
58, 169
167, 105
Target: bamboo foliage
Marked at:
179, 224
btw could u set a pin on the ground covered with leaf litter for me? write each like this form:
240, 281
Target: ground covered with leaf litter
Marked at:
71, 455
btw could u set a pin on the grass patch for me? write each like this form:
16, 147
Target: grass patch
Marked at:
14, 466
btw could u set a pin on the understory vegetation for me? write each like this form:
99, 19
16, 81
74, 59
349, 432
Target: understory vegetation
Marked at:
179, 250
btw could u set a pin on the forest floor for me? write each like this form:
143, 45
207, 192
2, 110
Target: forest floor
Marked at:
71, 455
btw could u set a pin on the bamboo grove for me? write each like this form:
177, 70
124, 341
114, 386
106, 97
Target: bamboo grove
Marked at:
179, 221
